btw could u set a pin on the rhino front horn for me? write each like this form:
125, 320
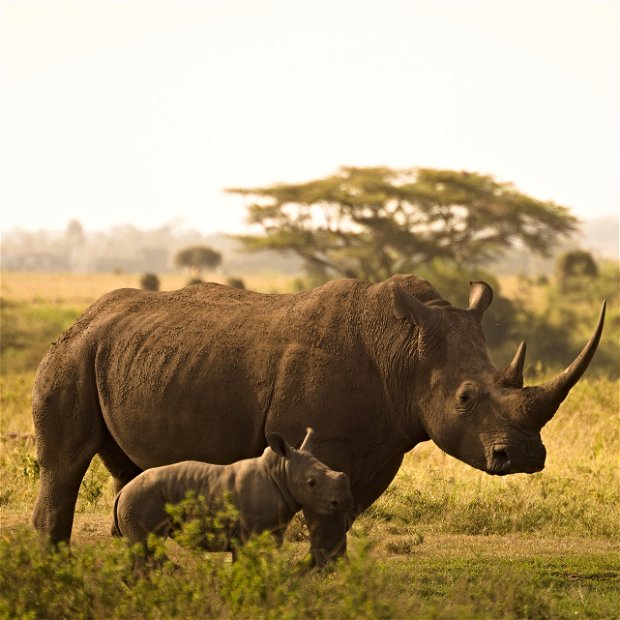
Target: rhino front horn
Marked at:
548, 396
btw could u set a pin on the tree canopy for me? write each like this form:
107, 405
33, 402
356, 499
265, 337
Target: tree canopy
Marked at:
198, 258
374, 222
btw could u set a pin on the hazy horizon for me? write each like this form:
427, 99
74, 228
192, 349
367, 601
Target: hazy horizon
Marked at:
141, 113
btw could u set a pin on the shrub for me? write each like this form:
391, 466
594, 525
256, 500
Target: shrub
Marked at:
149, 282
235, 282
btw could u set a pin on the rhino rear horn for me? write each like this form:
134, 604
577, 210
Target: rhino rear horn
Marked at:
480, 297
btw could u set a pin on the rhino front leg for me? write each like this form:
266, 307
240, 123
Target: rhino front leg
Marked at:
377, 479
69, 432
55, 505
328, 537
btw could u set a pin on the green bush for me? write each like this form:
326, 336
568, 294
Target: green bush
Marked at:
96, 581
149, 282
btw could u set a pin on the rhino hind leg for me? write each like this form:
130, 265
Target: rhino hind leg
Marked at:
121, 467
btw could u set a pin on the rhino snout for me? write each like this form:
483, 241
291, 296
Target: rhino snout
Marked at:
336, 504
500, 461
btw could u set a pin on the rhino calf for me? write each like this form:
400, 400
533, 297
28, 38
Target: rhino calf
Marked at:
267, 491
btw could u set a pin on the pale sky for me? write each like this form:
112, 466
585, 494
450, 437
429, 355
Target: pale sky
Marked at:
141, 113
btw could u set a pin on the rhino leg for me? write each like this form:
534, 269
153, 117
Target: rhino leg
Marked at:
121, 467
69, 431
376, 481
60, 478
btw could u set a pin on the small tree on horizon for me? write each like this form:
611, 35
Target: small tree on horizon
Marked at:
197, 258
149, 282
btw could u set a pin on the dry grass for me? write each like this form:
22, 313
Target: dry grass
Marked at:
79, 289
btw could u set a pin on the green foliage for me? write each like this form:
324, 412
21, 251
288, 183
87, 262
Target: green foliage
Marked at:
235, 282
31, 469
93, 485
568, 315
205, 524
94, 581
198, 258
149, 282
374, 222
574, 267
28, 329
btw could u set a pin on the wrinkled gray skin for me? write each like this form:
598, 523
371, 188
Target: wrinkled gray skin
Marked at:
267, 491
206, 372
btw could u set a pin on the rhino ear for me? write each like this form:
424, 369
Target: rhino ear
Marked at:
480, 297
406, 306
278, 445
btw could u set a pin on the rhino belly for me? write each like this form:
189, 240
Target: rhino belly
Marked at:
167, 406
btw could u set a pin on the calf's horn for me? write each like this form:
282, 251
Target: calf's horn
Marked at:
547, 397
307, 442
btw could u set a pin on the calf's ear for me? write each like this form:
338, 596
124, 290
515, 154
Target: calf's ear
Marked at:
278, 445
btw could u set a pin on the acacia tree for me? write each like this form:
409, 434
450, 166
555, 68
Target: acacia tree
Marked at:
197, 258
374, 222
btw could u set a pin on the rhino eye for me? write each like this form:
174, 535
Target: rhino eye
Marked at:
311, 481
466, 397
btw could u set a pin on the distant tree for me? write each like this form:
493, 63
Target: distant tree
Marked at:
235, 282
149, 282
575, 265
198, 258
74, 233
194, 281
374, 222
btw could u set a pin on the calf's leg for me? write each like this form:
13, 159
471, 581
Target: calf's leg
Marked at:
328, 537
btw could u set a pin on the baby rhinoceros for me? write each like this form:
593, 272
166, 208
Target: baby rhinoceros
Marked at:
266, 491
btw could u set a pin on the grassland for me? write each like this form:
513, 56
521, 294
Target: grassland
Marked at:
444, 541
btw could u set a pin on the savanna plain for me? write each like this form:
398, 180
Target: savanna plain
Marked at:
444, 541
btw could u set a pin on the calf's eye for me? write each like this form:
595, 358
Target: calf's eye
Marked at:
311, 481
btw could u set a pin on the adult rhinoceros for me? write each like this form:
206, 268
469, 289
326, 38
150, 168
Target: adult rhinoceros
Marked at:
204, 373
